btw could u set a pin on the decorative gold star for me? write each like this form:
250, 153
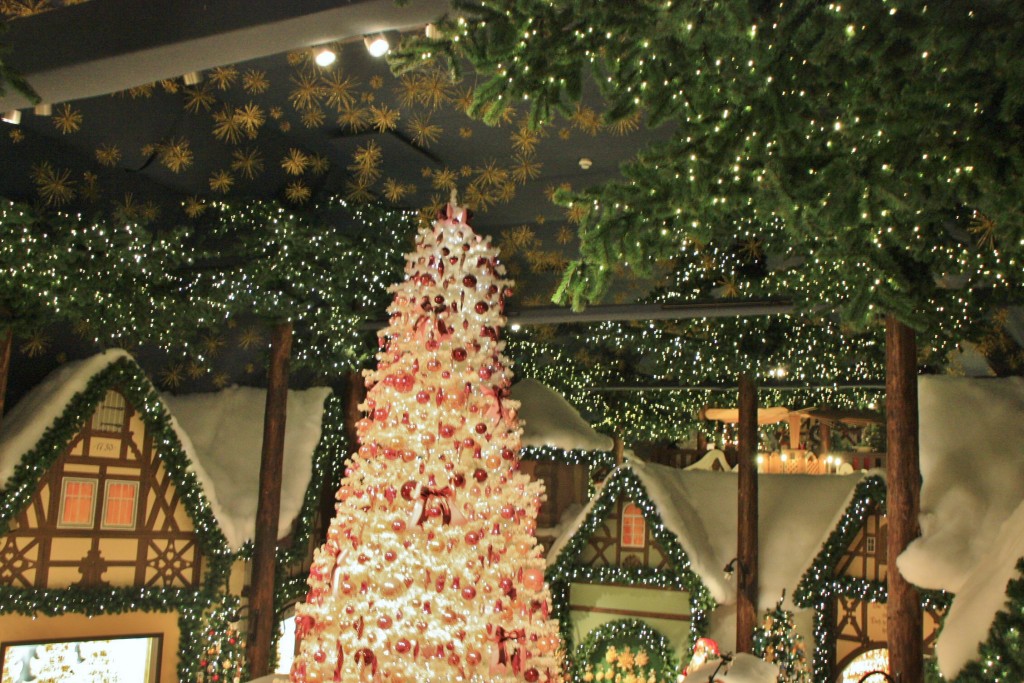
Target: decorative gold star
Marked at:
318, 164
465, 171
478, 198
408, 90
295, 162
313, 118
358, 191
108, 155
424, 133
250, 338
35, 344
576, 212
254, 81
247, 162
297, 192
463, 99
540, 219
627, 124
149, 211
752, 249
394, 191
221, 380
307, 92
67, 119
550, 190
250, 117
172, 376
729, 287
525, 140
223, 76
199, 98
226, 127
194, 207
82, 328
128, 208
384, 118
176, 155
491, 175
564, 133
586, 119
170, 86
377, 82
519, 239
284, 126
366, 162
445, 179
465, 132
565, 235
506, 192
54, 186
339, 91
144, 91
16, 135
984, 230
525, 168
435, 88
276, 113
221, 181
356, 119
211, 344
195, 370
297, 57
25, 8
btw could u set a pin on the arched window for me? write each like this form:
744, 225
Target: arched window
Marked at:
634, 527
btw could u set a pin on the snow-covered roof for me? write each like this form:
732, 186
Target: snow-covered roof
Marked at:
972, 471
549, 420
797, 514
972, 517
224, 431
221, 434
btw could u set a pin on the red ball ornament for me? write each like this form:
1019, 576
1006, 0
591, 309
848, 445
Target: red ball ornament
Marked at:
384, 622
507, 453
408, 488
472, 538
402, 646
390, 555
468, 593
459, 354
506, 585
423, 397
480, 475
484, 373
458, 480
398, 525
481, 428
447, 431
531, 675
473, 657
480, 307
404, 383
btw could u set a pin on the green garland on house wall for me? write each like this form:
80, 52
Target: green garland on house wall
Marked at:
627, 630
567, 570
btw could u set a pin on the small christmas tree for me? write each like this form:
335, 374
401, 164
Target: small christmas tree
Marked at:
431, 571
777, 642
223, 657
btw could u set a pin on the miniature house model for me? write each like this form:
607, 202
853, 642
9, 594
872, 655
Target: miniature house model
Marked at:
125, 515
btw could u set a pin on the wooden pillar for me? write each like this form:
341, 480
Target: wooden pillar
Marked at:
5, 365
262, 619
825, 433
619, 448
904, 618
746, 552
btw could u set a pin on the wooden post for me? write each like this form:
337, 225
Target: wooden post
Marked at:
904, 618
825, 433
5, 366
619, 448
262, 620
746, 552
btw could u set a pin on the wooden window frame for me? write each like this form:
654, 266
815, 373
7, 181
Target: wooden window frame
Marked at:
61, 524
97, 423
106, 500
628, 515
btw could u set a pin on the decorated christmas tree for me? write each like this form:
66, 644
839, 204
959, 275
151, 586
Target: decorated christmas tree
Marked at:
431, 571
777, 642
223, 657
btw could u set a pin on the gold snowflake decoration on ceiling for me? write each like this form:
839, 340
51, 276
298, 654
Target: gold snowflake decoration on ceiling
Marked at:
16, 135
194, 207
176, 155
394, 191
565, 235
250, 117
384, 118
358, 191
297, 192
67, 119
54, 186
318, 164
172, 376
35, 344
247, 162
627, 124
254, 81
307, 91
752, 249
195, 370
295, 162
223, 76
424, 133
90, 187
525, 168
227, 128
525, 140
221, 181
108, 155
339, 90
199, 98
377, 82
250, 338
355, 119
313, 118
366, 162
445, 179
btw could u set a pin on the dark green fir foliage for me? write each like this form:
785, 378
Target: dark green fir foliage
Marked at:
221, 658
884, 135
1001, 656
777, 642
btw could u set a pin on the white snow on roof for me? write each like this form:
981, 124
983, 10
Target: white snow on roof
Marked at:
36, 412
221, 434
797, 515
981, 595
549, 420
972, 469
225, 434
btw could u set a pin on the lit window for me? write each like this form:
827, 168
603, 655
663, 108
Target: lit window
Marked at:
119, 504
634, 527
109, 415
77, 503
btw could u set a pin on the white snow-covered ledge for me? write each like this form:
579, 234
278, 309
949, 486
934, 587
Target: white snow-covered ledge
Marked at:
548, 419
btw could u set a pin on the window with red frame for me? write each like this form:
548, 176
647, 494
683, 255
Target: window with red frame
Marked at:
634, 527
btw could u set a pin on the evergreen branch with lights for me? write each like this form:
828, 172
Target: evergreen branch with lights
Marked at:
605, 644
879, 135
1001, 655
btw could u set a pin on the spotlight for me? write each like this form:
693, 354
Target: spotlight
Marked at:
377, 45
585, 163
44, 109
12, 116
192, 77
432, 32
324, 56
